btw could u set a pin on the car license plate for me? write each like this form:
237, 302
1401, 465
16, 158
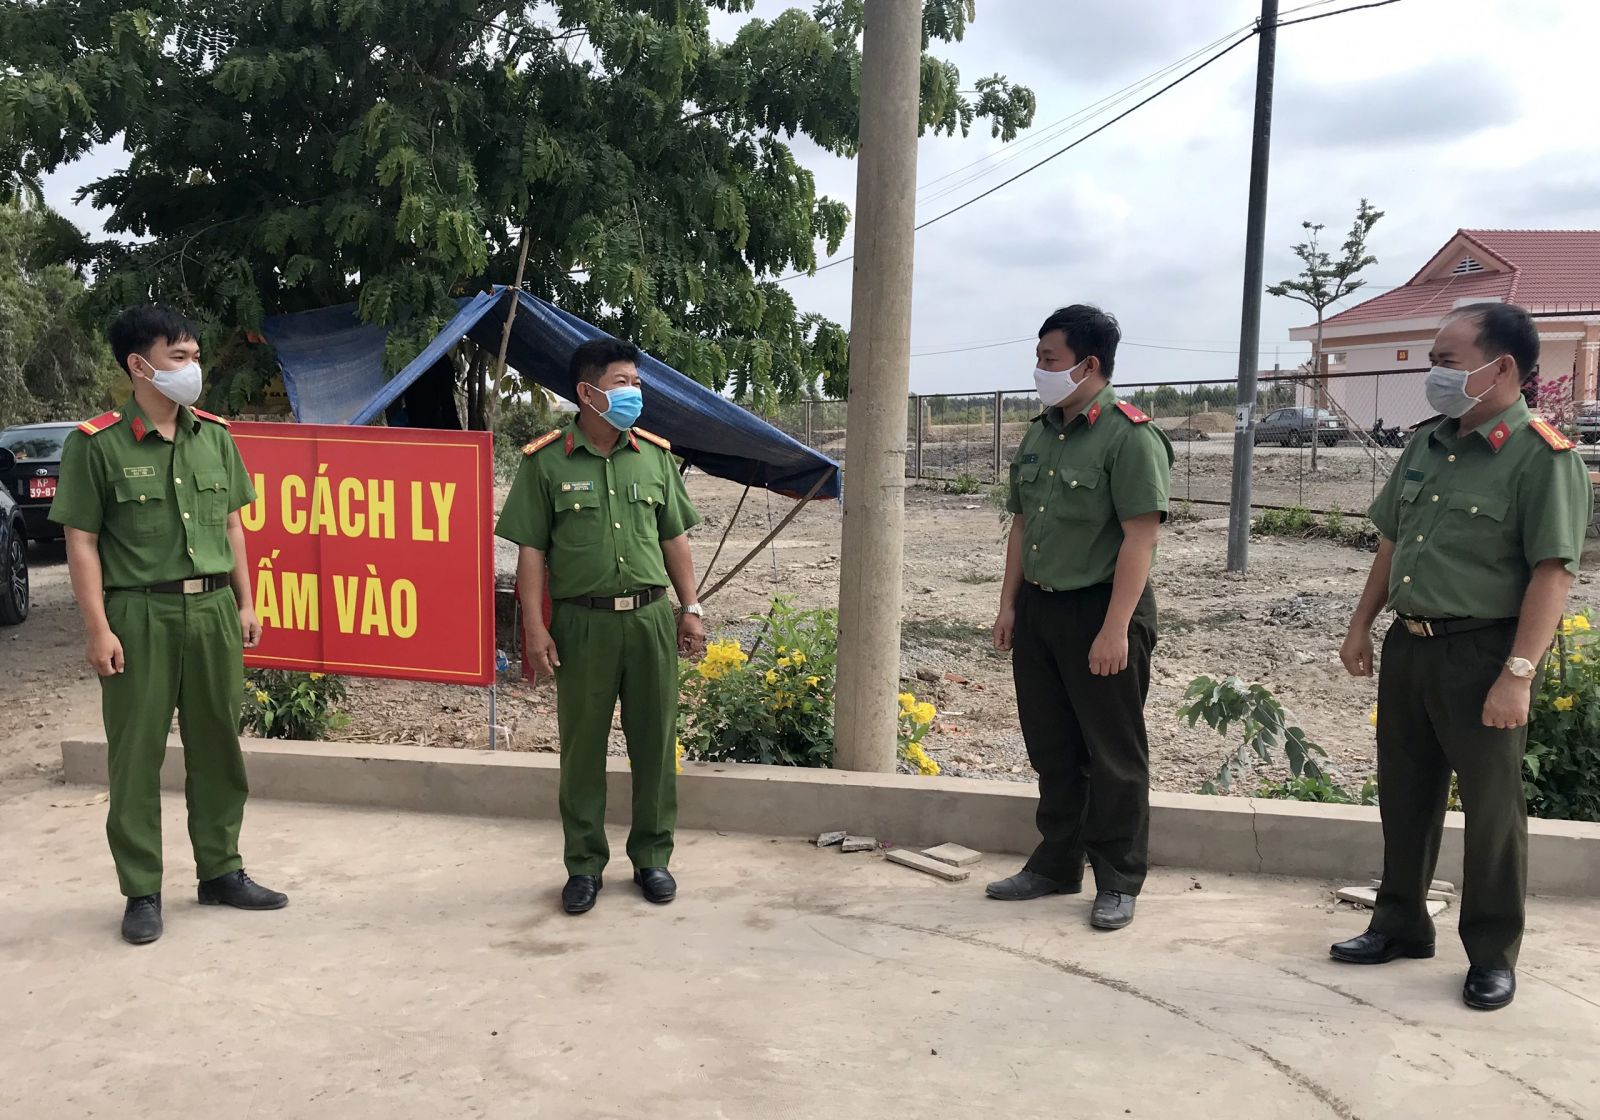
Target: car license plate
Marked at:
41, 488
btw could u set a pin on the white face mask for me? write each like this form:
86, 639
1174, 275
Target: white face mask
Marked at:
1446, 390
181, 385
1056, 386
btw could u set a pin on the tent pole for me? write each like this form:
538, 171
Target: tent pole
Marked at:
768, 539
491, 405
705, 576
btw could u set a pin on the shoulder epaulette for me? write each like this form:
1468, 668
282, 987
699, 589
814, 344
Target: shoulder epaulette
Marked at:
1132, 413
543, 441
215, 419
100, 423
664, 444
1549, 434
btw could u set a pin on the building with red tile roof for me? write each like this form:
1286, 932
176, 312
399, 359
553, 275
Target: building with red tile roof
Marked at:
1555, 274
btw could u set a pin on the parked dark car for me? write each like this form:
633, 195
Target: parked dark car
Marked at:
32, 478
1291, 427
13, 554
1588, 421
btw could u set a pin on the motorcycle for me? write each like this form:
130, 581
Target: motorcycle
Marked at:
1388, 437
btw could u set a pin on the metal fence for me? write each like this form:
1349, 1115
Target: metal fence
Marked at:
1360, 424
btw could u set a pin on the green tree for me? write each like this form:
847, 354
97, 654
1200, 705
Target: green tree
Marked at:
1325, 281
287, 154
52, 366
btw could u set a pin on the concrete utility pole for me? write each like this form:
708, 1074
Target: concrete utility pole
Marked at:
1255, 241
880, 379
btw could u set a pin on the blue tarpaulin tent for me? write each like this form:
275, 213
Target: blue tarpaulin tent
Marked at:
333, 371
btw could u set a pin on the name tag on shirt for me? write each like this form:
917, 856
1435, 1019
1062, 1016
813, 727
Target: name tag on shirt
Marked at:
139, 472
1030, 458
577, 487
1413, 474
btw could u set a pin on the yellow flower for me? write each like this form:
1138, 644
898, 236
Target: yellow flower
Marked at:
798, 658
924, 713
677, 753
722, 657
1575, 658
782, 650
1372, 716
813, 681
772, 676
317, 676
783, 662
1562, 703
261, 697
907, 701
1580, 622
1567, 627
919, 758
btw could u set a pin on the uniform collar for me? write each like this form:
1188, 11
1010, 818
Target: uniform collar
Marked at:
1104, 400
139, 424
1497, 429
576, 439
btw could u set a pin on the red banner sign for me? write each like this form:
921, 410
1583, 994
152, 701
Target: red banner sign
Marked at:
371, 550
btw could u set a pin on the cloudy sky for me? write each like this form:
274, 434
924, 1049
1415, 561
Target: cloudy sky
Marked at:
1446, 113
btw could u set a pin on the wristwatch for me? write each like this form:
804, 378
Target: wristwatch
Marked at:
696, 610
1520, 667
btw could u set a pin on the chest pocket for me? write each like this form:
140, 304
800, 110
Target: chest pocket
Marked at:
578, 521
1082, 493
213, 491
141, 509
1472, 521
644, 508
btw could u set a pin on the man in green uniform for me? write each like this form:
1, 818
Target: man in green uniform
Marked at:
599, 506
150, 496
1482, 526
1088, 495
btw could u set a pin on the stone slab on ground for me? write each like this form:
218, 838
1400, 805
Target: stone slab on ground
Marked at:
860, 844
956, 855
423, 970
829, 839
919, 862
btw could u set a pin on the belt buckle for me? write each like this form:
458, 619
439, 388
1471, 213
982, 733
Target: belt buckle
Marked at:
622, 603
193, 586
1418, 627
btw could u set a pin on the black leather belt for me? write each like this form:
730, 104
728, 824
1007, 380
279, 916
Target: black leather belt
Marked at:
185, 586
1442, 627
619, 602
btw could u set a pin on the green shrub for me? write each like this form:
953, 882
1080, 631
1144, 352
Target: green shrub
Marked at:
964, 483
1320, 789
1265, 727
1561, 770
282, 705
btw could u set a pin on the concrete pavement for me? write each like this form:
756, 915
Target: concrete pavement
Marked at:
422, 970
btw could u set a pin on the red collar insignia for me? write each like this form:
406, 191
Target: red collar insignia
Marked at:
139, 430
1094, 412
568, 445
1498, 435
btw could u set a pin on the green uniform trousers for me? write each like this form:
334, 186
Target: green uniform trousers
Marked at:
1085, 736
1430, 722
183, 652
607, 655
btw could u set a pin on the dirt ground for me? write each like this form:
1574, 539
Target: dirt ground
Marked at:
1281, 625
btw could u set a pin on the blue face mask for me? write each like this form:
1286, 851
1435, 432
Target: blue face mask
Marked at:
623, 406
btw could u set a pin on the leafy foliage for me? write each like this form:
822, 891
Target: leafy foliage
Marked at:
283, 705
289, 154
1322, 789
1299, 522
1324, 281
1561, 770
1264, 725
53, 366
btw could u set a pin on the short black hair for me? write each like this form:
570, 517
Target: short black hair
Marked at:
594, 357
1089, 331
139, 328
1505, 328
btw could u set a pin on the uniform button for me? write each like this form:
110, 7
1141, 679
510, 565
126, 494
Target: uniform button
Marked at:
1451, 459
577, 505
613, 493
186, 516
1052, 470
1041, 509
191, 552
177, 481
1436, 497
1036, 548
1419, 538
620, 560
1407, 579
1062, 436
1074, 482
616, 524
141, 497
1473, 510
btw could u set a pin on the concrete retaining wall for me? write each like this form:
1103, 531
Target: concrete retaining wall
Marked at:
1186, 830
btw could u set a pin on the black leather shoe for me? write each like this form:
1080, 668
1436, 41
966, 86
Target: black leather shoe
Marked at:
238, 890
578, 896
1112, 910
1025, 885
1489, 989
1373, 947
657, 884
141, 920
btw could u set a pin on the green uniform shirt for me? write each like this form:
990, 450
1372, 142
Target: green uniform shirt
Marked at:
160, 508
1471, 514
599, 519
1074, 485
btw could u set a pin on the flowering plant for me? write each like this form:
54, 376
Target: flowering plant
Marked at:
1561, 769
283, 705
916, 718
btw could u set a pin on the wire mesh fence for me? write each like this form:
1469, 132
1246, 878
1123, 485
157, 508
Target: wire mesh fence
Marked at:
1326, 443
